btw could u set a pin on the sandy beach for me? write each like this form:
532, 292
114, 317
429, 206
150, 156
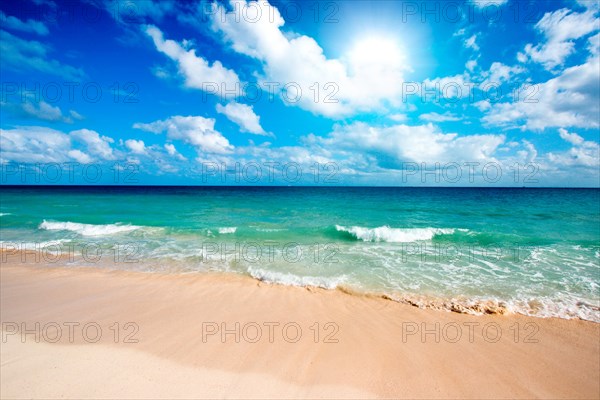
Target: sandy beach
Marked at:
104, 334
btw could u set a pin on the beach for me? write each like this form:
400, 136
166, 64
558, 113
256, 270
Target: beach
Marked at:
108, 333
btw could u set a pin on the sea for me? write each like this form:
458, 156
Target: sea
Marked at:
533, 251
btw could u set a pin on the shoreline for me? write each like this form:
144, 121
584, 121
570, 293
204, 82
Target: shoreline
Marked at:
197, 336
456, 304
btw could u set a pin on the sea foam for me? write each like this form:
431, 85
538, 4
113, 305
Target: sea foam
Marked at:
393, 235
88, 229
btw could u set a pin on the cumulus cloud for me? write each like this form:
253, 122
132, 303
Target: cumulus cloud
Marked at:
172, 151
500, 73
35, 144
582, 153
136, 146
364, 79
244, 116
96, 144
421, 143
560, 28
197, 71
198, 131
572, 99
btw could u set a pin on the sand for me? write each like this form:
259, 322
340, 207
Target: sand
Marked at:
169, 342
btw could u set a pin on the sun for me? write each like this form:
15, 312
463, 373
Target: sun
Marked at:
379, 50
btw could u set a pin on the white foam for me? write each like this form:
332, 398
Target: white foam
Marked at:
393, 235
88, 229
4, 214
227, 230
289, 279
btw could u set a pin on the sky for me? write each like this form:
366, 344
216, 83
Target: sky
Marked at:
382, 93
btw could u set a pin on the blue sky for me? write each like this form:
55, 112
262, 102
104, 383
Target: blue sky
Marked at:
488, 93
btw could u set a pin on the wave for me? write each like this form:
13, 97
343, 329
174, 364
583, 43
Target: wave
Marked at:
394, 235
539, 308
289, 279
226, 230
4, 214
89, 229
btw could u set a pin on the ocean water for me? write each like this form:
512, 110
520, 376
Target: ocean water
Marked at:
476, 250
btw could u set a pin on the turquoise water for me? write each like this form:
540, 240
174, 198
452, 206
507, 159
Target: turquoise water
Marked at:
533, 251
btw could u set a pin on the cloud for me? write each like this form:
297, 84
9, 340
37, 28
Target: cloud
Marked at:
97, 145
80, 156
136, 146
29, 55
572, 99
42, 110
29, 26
471, 64
398, 117
435, 117
572, 138
560, 28
449, 87
485, 3
198, 131
471, 43
421, 143
35, 144
583, 153
244, 116
197, 71
500, 73
363, 79
172, 151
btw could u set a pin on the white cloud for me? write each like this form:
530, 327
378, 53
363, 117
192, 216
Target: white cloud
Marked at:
197, 71
449, 87
500, 73
364, 79
460, 32
485, 3
198, 131
80, 156
172, 151
594, 44
572, 99
33, 144
398, 117
560, 28
471, 43
30, 26
244, 116
435, 117
97, 145
136, 146
483, 105
572, 138
74, 114
583, 153
421, 143
471, 64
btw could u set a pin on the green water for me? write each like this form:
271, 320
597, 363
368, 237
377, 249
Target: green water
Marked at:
535, 250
